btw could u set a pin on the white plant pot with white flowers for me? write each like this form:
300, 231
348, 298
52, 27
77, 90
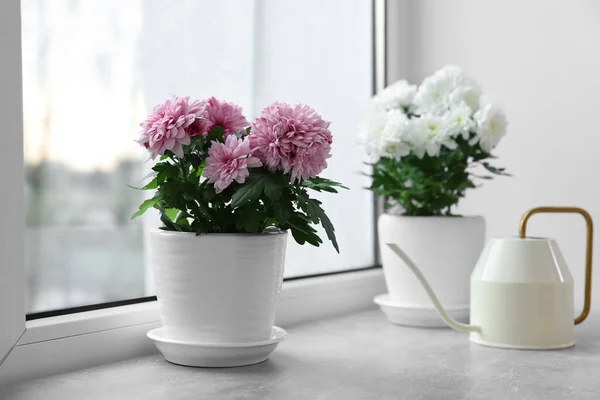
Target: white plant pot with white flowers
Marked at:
428, 146
228, 193
446, 249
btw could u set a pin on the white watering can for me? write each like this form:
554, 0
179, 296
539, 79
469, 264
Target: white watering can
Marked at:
521, 290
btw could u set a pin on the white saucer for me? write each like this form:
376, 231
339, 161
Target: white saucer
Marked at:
422, 317
195, 354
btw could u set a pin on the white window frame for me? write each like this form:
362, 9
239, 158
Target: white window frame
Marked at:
12, 300
30, 349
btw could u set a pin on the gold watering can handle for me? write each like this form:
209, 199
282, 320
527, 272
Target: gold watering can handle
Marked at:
588, 248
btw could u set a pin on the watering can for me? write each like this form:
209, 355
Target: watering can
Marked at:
521, 290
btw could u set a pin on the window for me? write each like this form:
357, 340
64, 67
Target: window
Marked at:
92, 69
335, 79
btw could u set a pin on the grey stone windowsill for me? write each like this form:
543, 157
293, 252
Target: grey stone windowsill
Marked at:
360, 356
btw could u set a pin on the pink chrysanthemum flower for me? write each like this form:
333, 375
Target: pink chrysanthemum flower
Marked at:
228, 162
171, 124
227, 115
292, 138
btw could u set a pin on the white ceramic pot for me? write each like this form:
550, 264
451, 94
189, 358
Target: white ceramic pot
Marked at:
217, 288
446, 249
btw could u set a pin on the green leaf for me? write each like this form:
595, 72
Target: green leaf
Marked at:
206, 193
165, 171
193, 179
315, 211
249, 219
216, 134
172, 193
182, 221
322, 184
250, 191
273, 190
302, 231
171, 213
183, 224
200, 210
283, 211
153, 184
145, 206
160, 166
168, 223
495, 170
189, 191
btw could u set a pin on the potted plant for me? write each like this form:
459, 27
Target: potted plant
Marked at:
428, 146
227, 194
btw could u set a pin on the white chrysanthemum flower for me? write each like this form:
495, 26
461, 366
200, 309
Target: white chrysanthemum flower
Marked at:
468, 93
428, 133
384, 135
370, 134
432, 95
444, 89
446, 106
491, 126
392, 141
459, 120
398, 95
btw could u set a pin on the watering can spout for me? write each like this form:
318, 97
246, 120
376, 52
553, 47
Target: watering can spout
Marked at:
451, 322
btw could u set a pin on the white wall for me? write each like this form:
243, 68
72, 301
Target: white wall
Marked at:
541, 61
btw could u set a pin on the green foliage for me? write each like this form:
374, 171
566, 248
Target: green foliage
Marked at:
431, 186
322, 184
216, 134
145, 206
188, 203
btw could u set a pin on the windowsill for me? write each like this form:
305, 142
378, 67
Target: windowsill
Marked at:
73, 342
356, 356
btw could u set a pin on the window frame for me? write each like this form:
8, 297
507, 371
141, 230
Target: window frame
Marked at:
95, 335
12, 272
